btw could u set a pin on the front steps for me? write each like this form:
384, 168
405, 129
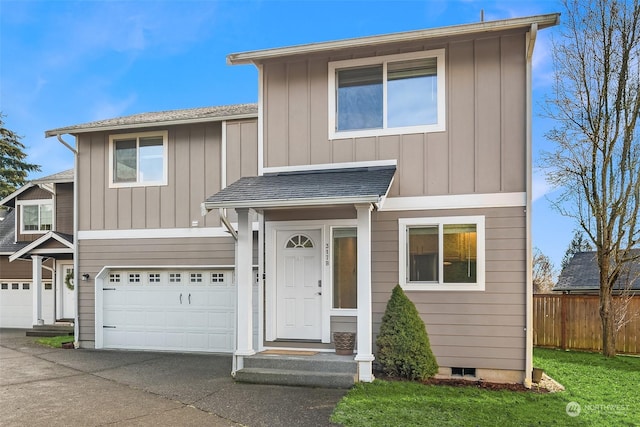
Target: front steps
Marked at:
326, 370
56, 330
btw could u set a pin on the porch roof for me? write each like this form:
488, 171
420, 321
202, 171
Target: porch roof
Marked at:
306, 188
52, 244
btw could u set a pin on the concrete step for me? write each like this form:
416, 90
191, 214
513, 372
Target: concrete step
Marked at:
322, 370
319, 363
295, 378
49, 330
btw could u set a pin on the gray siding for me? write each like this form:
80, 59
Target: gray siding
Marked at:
194, 173
96, 254
21, 269
479, 329
34, 193
481, 151
64, 208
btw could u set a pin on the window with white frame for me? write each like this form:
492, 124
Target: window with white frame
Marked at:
36, 216
387, 95
138, 159
442, 253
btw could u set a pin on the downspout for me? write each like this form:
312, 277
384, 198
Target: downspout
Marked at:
528, 366
76, 317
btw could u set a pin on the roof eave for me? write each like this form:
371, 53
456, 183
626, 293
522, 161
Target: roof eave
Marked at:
543, 21
290, 203
79, 130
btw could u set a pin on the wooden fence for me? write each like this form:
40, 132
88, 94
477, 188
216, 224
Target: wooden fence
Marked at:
573, 322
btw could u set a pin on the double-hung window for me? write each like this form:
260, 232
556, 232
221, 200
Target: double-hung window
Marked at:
36, 216
386, 95
442, 253
138, 159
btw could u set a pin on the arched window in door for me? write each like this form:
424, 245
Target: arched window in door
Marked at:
299, 241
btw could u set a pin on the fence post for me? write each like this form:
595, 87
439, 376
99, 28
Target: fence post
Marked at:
563, 321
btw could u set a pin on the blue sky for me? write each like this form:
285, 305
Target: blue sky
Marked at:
70, 62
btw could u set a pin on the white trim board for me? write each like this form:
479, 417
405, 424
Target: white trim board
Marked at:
462, 201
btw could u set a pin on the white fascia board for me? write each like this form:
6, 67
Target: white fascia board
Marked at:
293, 203
463, 201
330, 166
543, 21
16, 193
157, 233
32, 247
76, 131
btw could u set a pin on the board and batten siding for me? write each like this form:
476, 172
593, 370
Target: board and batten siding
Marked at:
479, 329
194, 173
64, 208
481, 151
156, 253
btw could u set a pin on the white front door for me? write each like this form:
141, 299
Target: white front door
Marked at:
67, 303
298, 284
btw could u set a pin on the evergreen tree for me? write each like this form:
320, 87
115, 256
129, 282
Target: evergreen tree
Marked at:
403, 344
578, 244
13, 167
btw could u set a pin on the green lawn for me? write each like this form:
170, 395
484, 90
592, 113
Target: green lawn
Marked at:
606, 390
55, 342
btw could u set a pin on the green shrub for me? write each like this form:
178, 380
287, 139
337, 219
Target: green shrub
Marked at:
403, 344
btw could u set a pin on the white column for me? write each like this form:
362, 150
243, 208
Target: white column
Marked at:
365, 355
244, 275
36, 278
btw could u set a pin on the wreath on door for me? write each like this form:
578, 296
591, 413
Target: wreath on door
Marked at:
68, 280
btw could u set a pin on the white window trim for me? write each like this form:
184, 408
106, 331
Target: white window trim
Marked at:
403, 223
38, 202
334, 310
165, 162
440, 126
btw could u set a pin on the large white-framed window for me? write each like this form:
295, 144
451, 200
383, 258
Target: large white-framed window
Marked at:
442, 254
138, 159
387, 95
36, 216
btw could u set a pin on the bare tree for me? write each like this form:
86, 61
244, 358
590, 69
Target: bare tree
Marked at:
597, 156
543, 273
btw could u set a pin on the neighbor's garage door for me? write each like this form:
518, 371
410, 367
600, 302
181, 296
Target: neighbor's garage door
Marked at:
169, 310
16, 304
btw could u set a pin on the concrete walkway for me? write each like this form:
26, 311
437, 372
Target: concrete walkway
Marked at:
41, 386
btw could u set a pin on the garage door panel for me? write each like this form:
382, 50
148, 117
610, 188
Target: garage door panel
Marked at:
156, 314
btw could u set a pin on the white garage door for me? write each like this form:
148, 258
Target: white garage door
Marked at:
16, 304
169, 310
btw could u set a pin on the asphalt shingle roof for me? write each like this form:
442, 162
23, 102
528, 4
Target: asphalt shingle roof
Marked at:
64, 176
582, 274
155, 118
7, 234
309, 187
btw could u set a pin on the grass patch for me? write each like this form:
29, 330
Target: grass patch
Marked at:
604, 388
55, 342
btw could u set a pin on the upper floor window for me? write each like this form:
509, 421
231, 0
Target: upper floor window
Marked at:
387, 95
442, 253
36, 216
138, 159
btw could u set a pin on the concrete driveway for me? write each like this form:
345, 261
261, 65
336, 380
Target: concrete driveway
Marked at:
41, 386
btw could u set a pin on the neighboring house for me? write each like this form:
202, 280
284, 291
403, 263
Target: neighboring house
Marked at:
36, 253
582, 276
338, 185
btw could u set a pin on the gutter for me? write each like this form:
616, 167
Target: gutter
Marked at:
76, 290
528, 364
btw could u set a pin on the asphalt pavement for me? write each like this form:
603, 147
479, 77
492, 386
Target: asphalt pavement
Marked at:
41, 386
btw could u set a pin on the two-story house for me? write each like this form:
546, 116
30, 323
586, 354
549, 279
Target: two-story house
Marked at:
401, 158
36, 253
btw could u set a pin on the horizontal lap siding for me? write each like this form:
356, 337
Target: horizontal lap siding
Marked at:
96, 254
479, 329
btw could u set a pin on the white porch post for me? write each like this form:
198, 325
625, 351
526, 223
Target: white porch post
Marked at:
364, 356
36, 277
244, 275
